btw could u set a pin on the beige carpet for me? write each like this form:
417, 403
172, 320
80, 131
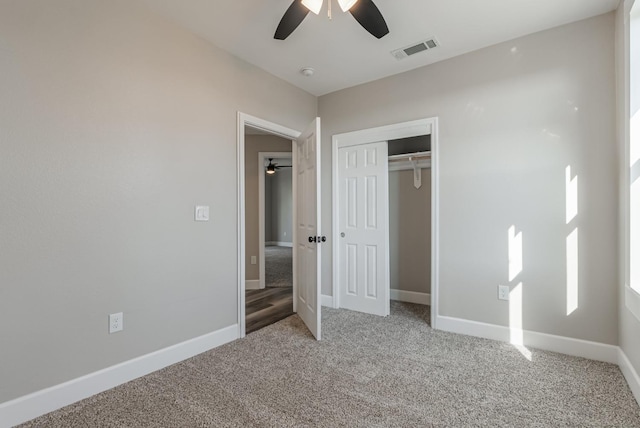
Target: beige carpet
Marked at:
367, 372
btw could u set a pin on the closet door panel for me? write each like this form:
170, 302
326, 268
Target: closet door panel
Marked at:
363, 228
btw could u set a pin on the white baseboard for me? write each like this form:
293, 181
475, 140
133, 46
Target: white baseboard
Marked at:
278, 244
252, 284
549, 342
630, 374
47, 400
327, 301
410, 297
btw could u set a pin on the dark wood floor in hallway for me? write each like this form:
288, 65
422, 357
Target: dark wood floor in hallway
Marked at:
266, 306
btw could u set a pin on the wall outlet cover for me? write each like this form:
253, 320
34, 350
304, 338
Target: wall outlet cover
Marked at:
116, 322
503, 292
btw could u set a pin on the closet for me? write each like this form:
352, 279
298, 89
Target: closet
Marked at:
383, 216
410, 218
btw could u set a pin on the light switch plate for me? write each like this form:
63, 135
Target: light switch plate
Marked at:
202, 213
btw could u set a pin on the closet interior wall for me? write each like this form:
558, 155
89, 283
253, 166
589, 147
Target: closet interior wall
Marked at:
410, 222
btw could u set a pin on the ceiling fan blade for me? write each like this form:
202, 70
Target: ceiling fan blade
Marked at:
369, 16
291, 19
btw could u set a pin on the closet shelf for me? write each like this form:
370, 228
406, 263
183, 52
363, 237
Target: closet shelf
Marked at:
418, 156
407, 161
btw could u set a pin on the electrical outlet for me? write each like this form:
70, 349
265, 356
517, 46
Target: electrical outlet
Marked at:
503, 292
254, 260
116, 322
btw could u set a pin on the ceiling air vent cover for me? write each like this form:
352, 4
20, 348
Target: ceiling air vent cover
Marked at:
416, 48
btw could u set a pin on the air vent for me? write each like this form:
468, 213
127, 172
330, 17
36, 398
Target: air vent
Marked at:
416, 48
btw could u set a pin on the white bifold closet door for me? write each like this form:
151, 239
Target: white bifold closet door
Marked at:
363, 228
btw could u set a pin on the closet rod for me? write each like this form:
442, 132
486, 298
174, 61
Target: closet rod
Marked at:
404, 158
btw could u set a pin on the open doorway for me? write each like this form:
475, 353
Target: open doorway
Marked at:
268, 229
306, 220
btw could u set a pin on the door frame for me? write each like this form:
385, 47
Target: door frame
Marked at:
261, 205
244, 120
414, 128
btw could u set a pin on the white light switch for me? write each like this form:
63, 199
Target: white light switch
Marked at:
202, 213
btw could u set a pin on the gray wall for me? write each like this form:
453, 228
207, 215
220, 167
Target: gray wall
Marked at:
410, 232
512, 117
253, 145
114, 124
281, 215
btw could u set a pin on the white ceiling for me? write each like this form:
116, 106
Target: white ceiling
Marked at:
343, 54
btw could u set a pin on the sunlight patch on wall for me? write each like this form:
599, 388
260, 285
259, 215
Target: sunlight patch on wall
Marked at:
571, 213
571, 185
516, 333
515, 253
572, 271
515, 315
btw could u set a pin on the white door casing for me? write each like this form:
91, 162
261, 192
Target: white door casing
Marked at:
363, 228
307, 221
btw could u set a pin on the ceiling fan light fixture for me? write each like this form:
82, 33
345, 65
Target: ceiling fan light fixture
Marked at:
313, 5
346, 4
271, 169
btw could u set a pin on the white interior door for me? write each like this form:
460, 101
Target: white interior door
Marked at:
307, 240
363, 227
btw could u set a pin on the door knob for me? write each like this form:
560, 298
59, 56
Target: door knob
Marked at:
342, 235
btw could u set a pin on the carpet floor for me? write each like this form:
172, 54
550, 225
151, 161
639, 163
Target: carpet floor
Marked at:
278, 266
366, 372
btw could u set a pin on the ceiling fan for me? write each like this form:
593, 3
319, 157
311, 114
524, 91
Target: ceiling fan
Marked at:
364, 11
272, 167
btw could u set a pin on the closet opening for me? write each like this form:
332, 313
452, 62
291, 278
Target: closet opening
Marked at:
410, 219
385, 217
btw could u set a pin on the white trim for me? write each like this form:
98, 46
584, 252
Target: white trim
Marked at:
327, 301
47, 400
278, 244
435, 222
253, 284
261, 203
334, 223
630, 374
395, 131
410, 296
549, 342
272, 128
428, 126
